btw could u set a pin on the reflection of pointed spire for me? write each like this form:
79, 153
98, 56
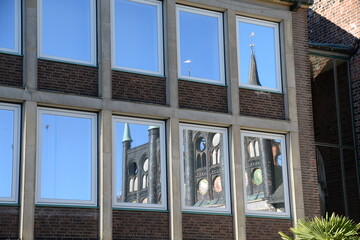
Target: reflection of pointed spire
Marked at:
253, 72
127, 135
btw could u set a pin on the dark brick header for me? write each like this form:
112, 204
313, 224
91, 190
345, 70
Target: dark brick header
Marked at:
9, 222
266, 228
11, 70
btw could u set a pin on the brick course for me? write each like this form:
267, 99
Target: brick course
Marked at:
63, 222
266, 228
11, 70
137, 87
207, 226
261, 104
140, 225
202, 96
67, 78
9, 222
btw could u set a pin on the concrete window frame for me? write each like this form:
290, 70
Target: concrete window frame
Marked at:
93, 152
93, 44
284, 171
226, 169
160, 39
118, 139
17, 25
275, 27
14, 198
221, 50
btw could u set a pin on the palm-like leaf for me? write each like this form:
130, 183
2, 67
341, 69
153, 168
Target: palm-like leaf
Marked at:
333, 228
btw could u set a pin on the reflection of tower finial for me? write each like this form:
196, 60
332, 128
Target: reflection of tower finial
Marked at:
188, 65
253, 72
127, 135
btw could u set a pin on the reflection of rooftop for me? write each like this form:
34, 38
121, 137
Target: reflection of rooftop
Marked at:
216, 203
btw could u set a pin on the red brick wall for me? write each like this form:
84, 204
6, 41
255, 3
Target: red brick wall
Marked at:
137, 87
11, 70
261, 104
62, 222
266, 228
9, 222
207, 226
140, 225
67, 78
305, 114
202, 96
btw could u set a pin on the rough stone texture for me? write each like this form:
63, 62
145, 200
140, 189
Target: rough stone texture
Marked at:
305, 114
11, 70
67, 78
9, 222
266, 228
207, 226
202, 96
66, 223
261, 104
137, 87
140, 225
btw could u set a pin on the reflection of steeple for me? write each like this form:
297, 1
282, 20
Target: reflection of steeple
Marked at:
127, 135
253, 72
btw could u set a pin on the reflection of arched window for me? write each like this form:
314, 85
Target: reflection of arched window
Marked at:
131, 185
146, 165
251, 149
257, 152
144, 181
203, 160
198, 161
214, 157
218, 156
136, 184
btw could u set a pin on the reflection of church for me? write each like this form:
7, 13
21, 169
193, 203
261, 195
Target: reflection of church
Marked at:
203, 169
264, 180
141, 169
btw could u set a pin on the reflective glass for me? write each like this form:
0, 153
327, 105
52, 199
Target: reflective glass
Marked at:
138, 35
8, 24
200, 44
67, 29
258, 38
139, 163
67, 160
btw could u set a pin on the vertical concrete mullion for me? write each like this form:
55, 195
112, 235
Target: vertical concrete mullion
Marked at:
174, 179
28, 170
105, 174
236, 173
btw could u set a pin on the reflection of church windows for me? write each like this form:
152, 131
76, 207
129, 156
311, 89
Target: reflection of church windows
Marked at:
204, 169
140, 163
265, 174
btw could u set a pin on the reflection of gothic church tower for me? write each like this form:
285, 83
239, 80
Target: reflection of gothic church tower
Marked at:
203, 167
141, 169
253, 72
264, 179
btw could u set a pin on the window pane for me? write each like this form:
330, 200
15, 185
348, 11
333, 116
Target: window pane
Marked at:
138, 36
7, 153
265, 179
67, 35
139, 163
200, 39
205, 169
8, 24
258, 53
67, 157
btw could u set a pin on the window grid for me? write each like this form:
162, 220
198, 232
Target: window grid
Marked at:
17, 30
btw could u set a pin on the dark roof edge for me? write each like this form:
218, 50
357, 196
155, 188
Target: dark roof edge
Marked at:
305, 2
332, 47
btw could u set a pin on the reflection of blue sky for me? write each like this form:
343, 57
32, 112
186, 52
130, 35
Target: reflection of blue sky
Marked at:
66, 29
66, 157
7, 24
6, 152
199, 43
136, 35
139, 134
264, 53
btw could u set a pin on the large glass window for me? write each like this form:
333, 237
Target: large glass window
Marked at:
67, 157
139, 166
265, 176
205, 169
258, 54
10, 30
67, 30
200, 45
9, 149
137, 36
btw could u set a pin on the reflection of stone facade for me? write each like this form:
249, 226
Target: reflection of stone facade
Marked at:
203, 169
141, 169
264, 180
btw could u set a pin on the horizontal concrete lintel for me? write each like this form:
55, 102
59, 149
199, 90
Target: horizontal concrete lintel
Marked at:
262, 124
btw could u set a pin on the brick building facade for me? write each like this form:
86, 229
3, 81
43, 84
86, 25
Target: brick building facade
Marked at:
35, 86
